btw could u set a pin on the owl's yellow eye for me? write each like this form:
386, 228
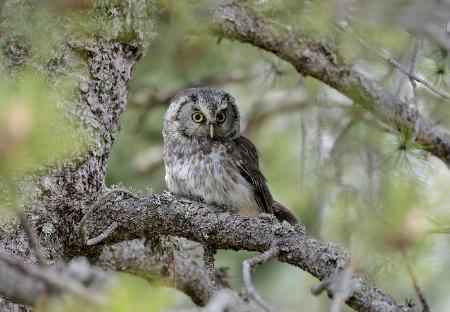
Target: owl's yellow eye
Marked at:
220, 117
197, 117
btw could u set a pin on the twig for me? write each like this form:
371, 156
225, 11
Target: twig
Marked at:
339, 286
397, 79
173, 261
32, 239
104, 235
208, 261
438, 36
242, 23
412, 71
303, 138
53, 280
92, 209
224, 300
411, 75
251, 263
321, 286
319, 198
418, 290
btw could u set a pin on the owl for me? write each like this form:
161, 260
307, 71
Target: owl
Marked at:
206, 158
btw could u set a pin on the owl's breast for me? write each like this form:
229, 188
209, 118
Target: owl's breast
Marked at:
212, 178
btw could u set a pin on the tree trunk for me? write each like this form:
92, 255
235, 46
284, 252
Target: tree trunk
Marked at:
102, 63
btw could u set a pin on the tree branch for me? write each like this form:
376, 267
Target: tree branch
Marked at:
168, 215
208, 267
99, 62
316, 59
410, 73
154, 263
251, 263
32, 239
27, 283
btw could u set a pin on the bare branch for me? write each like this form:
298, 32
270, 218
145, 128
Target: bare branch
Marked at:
227, 300
18, 287
32, 239
412, 70
104, 235
46, 280
92, 209
250, 264
338, 286
208, 262
168, 215
224, 300
409, 73
313, 58
155, 264
438, 35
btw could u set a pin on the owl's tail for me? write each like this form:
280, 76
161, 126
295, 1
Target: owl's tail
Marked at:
284, 214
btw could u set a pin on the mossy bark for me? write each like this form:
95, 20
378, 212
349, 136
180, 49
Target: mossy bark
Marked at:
98, 48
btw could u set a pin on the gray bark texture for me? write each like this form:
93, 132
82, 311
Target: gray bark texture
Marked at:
169, 215
56, 199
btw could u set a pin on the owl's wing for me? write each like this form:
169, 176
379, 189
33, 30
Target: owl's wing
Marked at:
245, 156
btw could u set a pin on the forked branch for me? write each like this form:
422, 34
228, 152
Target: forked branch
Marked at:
169, 215
252, 263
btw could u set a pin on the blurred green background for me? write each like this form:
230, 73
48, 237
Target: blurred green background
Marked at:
349, 180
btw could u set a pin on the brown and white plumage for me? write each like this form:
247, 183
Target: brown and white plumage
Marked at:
206, 158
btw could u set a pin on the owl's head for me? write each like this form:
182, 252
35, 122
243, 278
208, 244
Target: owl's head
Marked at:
203, 113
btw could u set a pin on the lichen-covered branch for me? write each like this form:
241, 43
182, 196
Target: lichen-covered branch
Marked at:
28, 283
314, 58
168, 215
166, 264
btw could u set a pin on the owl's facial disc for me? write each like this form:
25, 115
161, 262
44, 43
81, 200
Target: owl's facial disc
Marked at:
207, 114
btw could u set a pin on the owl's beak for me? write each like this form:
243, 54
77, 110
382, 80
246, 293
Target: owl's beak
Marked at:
211, 131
